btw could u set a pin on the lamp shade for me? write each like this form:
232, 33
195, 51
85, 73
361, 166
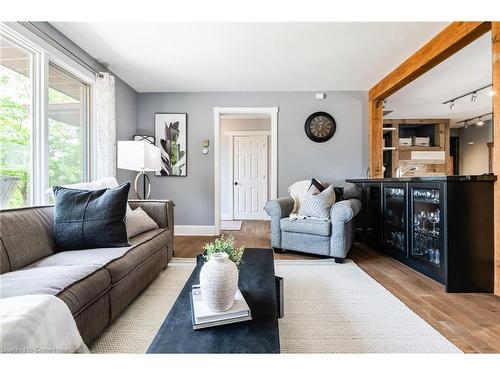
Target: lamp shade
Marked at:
138, 156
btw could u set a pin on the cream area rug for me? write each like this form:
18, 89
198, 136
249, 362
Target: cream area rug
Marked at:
329, 308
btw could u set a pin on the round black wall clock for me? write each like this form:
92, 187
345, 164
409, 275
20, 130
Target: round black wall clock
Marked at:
320, 127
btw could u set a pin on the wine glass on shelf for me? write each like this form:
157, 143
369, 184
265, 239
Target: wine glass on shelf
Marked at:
422, 215
434, 219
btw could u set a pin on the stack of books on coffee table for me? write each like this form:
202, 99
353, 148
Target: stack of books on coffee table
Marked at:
203, 317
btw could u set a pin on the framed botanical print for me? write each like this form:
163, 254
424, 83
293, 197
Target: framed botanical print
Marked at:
171, 139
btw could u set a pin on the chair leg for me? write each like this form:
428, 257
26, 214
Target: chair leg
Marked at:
339, 260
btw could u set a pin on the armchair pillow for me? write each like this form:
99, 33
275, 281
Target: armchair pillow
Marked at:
86, 219
318, 204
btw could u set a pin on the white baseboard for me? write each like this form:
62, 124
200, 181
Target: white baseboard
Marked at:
226, 217
194, 230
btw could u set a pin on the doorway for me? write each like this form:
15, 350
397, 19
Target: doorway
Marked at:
250, 179
245, 148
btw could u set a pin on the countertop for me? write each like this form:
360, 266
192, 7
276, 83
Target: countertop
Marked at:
463, 178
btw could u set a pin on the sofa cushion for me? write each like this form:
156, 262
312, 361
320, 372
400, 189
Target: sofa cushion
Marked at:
143, 247
96, 257
84, 292
308, 226
54, 280
90, 219
26, 235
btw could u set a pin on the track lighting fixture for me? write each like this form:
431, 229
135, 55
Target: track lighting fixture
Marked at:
452, 105
473, 95
470, 121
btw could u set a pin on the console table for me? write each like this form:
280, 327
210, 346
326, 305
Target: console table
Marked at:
439, 226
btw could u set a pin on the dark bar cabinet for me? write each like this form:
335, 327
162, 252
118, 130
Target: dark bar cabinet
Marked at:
439, 226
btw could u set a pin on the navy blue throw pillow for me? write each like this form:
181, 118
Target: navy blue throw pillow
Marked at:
86, 219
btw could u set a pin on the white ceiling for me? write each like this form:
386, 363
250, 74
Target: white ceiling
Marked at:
465, 71
155, 57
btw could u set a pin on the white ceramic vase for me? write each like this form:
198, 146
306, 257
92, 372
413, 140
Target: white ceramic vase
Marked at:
219, 282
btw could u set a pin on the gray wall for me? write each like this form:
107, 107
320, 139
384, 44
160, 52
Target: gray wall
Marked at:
126, 100
474, 158
344, 156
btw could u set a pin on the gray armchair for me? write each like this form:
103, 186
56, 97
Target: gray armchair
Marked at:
331, 238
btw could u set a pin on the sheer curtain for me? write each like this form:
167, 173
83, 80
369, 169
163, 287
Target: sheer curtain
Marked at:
104, 152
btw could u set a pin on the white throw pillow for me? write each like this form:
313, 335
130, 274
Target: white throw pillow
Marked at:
105, 183
297, 191
139, 222
316, 204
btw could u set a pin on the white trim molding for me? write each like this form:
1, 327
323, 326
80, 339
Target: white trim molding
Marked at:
272, 112
194, 230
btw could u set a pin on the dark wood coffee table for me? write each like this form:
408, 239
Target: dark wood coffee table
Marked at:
259, 335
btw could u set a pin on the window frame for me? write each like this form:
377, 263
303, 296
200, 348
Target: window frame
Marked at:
45, 54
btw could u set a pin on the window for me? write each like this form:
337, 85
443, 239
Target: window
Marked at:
67, 128
16, 124
44, 118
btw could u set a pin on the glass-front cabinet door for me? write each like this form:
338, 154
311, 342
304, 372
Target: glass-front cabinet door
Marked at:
394, 236
426, 247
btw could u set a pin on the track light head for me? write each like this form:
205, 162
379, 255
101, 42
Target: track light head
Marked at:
480, 122
466, 124
473, 97
452, 105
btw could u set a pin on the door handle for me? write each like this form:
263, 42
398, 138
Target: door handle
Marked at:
236, 183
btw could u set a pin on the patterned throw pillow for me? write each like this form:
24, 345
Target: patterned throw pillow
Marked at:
318, 204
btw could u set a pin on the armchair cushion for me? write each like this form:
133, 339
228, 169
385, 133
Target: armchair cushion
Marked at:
309, 226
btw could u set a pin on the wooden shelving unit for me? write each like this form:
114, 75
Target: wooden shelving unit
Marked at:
396, 156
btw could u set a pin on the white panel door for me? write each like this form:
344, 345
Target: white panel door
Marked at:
249, 176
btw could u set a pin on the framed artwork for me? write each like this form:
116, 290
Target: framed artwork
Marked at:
171, 139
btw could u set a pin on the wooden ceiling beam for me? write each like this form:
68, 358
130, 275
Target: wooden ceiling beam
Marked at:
452, 39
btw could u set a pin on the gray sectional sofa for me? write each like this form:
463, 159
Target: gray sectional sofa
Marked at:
96, 284
332, 238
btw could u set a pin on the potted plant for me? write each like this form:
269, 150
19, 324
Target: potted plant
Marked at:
219, 275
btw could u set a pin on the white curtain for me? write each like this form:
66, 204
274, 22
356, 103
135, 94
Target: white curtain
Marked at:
105, 128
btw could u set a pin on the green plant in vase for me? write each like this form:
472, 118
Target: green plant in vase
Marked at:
224, 245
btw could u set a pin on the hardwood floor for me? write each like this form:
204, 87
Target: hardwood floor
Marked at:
471, 321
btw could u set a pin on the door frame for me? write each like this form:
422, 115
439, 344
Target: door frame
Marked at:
244, 133
272, 112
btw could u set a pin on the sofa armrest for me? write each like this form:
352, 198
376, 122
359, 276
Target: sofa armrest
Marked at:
161, 211
343, 211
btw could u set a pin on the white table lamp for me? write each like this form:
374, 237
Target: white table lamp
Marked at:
139, 156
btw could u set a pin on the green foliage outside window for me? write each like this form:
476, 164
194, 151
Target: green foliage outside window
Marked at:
65, 140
